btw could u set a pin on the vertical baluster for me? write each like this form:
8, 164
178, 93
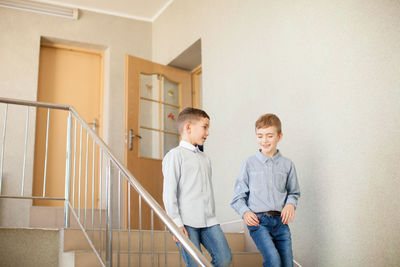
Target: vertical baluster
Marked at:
180, 255
165, 246
86, 176
109, 234
3, 145
25, 148
80, 174
73, 179
101, 200
140, 231
152, 236
68, 172
119, 216
106, 212
45, 158
94, 157
129, 225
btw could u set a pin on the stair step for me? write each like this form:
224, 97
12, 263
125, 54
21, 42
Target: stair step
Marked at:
173, 259
74, 239
89, 259
247, 259
53, 217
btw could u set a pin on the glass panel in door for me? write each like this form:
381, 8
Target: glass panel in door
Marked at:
170, 114
170, 91
170, 141
149, 86
150, 144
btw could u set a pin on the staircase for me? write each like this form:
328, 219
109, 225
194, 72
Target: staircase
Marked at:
74, 243
69, 248
95, 216
76, 251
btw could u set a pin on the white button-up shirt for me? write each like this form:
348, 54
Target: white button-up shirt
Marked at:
188, 193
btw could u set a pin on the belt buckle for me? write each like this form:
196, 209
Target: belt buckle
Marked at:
273, 213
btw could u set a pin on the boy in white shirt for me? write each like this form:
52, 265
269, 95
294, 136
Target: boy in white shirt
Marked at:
188, 193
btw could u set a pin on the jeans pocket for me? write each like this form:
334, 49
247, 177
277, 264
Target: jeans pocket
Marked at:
252, 228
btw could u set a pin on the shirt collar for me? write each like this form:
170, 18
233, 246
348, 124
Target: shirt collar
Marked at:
264, 158
189, 146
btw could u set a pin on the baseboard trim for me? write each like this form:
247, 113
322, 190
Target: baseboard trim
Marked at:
298, 264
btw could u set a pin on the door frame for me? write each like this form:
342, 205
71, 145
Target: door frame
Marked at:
196, 90
100, 53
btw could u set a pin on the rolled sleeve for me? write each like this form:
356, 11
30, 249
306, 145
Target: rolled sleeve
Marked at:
241, 191
293, 187
171, 172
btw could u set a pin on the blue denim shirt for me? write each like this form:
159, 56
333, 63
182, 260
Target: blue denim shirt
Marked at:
265, 184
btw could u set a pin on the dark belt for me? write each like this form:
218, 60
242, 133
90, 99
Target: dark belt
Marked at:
270, 213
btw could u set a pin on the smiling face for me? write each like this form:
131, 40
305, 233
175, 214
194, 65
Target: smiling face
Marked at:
267, 140
197, 131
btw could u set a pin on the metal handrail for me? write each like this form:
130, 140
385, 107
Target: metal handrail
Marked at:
33, 103
187, 244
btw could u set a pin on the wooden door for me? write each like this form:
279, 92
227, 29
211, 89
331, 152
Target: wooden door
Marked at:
154, 95
197, 86
69, 76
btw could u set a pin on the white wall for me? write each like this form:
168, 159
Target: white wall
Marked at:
331, 71
20, 35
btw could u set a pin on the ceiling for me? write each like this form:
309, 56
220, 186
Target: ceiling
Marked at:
146, 10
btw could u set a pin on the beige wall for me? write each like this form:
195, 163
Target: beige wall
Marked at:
20, 34
331, 71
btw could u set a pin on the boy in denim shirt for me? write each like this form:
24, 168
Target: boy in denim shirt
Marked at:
266, 194
188, 193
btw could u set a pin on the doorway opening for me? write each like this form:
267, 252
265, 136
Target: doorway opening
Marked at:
190, 60
154, 95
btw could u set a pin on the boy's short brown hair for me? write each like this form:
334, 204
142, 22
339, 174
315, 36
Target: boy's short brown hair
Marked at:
268, 120
189, 115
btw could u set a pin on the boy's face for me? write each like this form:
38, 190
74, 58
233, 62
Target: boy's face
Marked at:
198, 131
267, 140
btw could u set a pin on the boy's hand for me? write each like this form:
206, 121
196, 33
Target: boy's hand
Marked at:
287, 214
250, 218
184, 231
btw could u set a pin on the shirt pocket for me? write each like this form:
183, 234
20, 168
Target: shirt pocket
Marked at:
280, 180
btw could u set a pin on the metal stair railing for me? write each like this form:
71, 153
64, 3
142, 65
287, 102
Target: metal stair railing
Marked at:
94, 192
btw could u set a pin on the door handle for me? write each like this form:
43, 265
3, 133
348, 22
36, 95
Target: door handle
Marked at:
131, 135
95, 124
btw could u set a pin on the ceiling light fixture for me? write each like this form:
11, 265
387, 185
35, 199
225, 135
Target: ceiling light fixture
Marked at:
41, 8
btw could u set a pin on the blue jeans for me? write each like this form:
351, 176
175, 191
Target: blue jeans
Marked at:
273, 240
213, 239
